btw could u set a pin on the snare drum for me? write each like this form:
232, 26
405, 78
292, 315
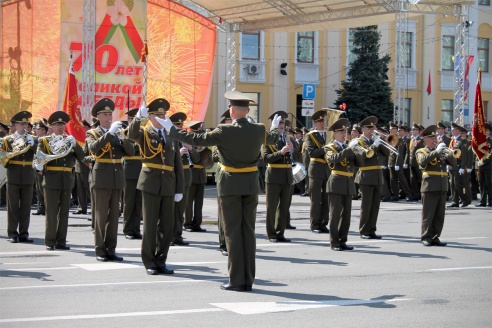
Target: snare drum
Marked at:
299, 172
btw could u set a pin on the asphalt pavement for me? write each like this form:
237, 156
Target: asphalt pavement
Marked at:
392, 282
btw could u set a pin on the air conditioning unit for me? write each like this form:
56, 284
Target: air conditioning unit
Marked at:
253, 69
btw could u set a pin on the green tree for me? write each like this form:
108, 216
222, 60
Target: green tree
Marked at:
366, 91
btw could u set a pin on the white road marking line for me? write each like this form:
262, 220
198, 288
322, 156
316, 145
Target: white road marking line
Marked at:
117, 266
270, 307
116, 283
464, 268
108, 315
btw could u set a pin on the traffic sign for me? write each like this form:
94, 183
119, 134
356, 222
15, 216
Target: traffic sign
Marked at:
308, 103
307, 111
309, 91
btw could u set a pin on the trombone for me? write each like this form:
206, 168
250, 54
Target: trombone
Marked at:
392, 141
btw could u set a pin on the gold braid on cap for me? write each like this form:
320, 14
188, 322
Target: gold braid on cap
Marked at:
153, 150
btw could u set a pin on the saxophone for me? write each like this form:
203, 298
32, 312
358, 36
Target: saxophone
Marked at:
60, 146
19, 147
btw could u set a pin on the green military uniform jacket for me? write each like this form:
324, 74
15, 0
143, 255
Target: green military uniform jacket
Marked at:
318, 168
415, 144
17, 173
133, 164
157, 181
107, 174
279, 167
463, 161
198, 173
238, 145
341, 162
433, 166
54, 178
370, 169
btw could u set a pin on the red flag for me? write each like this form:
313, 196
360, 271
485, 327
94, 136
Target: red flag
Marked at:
479, 138
70, 106
429, 91
467, 70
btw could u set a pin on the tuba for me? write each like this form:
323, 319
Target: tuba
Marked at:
19, 147
332, 115
60, 146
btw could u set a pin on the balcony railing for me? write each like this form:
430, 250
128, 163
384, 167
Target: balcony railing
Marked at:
306, 73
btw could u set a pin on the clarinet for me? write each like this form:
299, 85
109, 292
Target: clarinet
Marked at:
291, 157
190, 162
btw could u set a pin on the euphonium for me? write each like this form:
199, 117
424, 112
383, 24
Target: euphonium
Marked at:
19, 147
60, 146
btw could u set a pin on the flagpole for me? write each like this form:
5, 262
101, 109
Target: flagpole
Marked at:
143, 58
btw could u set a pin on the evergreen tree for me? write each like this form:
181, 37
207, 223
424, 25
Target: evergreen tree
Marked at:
366, 91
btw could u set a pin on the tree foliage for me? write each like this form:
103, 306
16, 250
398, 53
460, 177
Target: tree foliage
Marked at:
366, 91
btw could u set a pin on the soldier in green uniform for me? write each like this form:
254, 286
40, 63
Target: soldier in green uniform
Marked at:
132, 208
369, 178
187, 160
239, 146
458, 171
196, 192
59, 178
340, 186
161, 182
278, 178
82, 172
108, 178
41, 129
415, 144
20, 178
318, 173
432, 162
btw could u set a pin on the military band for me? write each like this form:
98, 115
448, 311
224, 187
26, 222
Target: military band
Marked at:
163, 174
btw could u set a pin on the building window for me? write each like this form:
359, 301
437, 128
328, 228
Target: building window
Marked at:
447, 53
487, 112
351, 57
483, 54
254, 108
407, 112
447, 111
250, 45
408, 50
484, 2
305, 47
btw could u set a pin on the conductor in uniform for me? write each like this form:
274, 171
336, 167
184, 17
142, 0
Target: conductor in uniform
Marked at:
59, 179
239, 146
432, 161
161, 182
20, 179
108, 178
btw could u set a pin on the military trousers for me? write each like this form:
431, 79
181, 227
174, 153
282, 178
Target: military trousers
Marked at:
106, 216
57, 208
433, 211
158, 228
485, 184
19, 199
369, 208
319, 203
83, 190
220, 226
278, 198
179, 212
38, 182
415, 180
132, 209
340, 211
398, 181
194, 205
239, 225
458, 189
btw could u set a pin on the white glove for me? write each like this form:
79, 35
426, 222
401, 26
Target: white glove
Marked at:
276, 120
440, 147
30, 140
468, 170
397, 168
114, 127
377, 141
353, 143
405, 166
178, 197
38, 167
461, 171
384, 167
72, 140
166, 123
142, 112
480, 163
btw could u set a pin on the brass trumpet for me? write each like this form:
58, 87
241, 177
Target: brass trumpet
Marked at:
456, 152
361, 151
392, 141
